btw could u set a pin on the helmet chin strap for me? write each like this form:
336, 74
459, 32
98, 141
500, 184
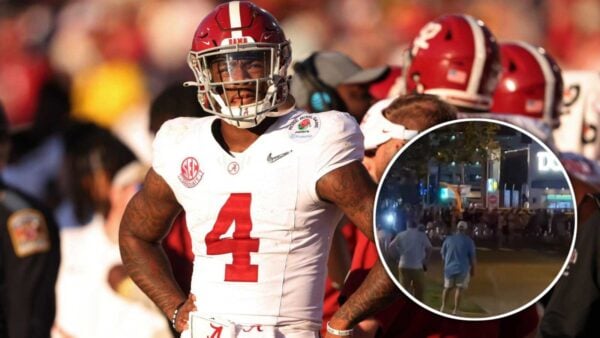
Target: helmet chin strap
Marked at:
257, 111
245, 124
258, 114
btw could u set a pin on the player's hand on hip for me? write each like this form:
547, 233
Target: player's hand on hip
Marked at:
183, 314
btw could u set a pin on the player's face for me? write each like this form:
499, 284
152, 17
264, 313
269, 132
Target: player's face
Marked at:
241, 76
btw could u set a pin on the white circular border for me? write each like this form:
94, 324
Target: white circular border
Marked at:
397, 282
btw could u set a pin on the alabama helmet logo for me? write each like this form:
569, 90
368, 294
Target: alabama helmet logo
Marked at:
190, 173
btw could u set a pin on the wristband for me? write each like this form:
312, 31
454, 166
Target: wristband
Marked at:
174, 316
342, 333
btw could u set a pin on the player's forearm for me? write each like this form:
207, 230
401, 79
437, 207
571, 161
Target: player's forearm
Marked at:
376, 292
149, 268
145, 223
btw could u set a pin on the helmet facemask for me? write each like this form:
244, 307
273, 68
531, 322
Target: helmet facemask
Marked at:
242, 83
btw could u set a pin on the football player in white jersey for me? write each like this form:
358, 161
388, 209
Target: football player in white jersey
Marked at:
263, 185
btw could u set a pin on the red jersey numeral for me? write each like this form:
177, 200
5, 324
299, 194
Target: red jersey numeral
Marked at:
236, 208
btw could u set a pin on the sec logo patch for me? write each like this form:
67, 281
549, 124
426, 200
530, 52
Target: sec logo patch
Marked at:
190, 173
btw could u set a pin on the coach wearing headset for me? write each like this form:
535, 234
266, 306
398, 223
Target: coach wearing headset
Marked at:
332, 81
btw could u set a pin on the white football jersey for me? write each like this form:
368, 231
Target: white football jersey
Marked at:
579, 125
260, 233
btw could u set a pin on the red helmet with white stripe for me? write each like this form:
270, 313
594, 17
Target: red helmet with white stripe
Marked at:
456, 58
240, 57
531, 83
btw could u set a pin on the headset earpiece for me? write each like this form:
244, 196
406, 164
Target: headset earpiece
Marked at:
320, 101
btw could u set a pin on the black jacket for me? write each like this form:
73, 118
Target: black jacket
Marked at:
29, 260
574, 307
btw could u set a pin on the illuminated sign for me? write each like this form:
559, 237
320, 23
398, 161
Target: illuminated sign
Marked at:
559, 197
444, 194
492, 185
547, 162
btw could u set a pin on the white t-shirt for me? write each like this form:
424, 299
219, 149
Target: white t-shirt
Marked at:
260, 234
411, 247
86, 306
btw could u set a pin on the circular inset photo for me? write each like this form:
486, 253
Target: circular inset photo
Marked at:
475, 219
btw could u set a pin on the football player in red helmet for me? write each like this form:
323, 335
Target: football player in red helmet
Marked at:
241, 73
262, 184
456, 58
530, 94
531, 84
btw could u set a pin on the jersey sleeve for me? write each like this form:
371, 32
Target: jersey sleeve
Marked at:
341, 143
165, 143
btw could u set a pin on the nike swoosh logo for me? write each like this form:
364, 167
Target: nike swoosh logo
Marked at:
271, 158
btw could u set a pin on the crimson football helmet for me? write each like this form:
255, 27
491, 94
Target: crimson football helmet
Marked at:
456, 58
391, 85
240, 57
531, 83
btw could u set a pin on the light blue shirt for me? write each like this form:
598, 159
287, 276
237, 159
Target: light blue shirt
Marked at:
458, 251
412, 247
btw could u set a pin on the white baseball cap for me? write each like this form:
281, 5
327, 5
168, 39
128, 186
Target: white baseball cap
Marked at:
378, 130
462, 225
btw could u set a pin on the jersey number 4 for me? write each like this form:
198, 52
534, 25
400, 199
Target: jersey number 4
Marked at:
236, 209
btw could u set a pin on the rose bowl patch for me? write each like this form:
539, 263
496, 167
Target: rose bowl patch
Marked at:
304, 127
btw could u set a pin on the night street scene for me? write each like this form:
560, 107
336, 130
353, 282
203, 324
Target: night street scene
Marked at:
475, 219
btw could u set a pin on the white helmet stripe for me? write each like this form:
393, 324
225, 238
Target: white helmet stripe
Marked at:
549, 77
480, 56
235, 19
